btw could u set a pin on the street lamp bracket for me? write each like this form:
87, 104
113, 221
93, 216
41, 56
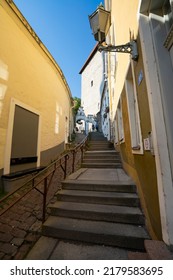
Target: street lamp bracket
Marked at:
130, 48
100, 22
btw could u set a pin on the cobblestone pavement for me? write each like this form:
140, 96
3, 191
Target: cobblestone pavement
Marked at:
20, 226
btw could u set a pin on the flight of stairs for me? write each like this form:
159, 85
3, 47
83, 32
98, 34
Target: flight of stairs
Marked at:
95, 211
101, 153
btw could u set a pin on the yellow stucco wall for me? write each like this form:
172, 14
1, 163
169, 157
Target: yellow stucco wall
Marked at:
142, 167
30, 75
123, 22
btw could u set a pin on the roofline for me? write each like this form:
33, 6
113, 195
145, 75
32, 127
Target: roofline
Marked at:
38, 41
89, 58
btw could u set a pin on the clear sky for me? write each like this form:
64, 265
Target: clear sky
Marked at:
63, 27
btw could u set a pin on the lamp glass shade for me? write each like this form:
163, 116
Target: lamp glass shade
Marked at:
100, 23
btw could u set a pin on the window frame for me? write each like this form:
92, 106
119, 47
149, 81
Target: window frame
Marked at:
133, 111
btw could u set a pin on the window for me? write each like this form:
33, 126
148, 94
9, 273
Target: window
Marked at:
135, 129
91, 83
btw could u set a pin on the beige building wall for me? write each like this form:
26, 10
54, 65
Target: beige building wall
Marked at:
30, 78
124, 24
130, 106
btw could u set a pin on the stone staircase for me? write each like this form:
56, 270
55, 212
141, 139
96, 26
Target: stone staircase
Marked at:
89, 209
101, 153
102, 159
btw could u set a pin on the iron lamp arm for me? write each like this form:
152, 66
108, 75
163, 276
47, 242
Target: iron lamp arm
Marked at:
130, 48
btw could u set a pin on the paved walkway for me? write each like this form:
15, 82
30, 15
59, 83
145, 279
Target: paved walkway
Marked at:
51, 248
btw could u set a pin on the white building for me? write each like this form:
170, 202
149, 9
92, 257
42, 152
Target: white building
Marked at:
94, 91
92, 82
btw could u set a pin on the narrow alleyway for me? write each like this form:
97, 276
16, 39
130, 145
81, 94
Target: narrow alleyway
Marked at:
97, 214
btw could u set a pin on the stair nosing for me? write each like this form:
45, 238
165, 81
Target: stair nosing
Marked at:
100, 182
89, 207
102, 194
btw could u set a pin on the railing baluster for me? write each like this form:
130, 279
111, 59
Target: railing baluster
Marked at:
44, 200
73, 162
81, 154
65, 166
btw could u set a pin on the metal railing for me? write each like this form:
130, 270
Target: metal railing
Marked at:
43, 177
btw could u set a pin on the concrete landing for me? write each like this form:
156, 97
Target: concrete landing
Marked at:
94, 174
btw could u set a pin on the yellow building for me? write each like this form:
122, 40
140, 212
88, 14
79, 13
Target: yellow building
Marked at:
35, 100
130, 116
141, 104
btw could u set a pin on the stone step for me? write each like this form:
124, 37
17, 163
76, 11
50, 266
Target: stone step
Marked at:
97, 137
100, 144
93, 148
94, 139
88, 211
100, 141
98, 232
90, 185
101, 165
104, 152
101, 157
100, 160
108, 153
115, 198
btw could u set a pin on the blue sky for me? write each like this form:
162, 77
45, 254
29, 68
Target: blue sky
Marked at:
63, 27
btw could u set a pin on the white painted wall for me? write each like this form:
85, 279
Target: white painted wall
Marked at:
92, 84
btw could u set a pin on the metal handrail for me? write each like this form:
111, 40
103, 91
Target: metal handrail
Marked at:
45, 173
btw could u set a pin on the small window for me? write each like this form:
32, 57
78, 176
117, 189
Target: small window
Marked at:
91, 83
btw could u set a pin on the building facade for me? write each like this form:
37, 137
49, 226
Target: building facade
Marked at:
157, 18
35, 100
94, 92
92, 82
140, 105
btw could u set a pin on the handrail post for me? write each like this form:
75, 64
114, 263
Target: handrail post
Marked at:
55, 166
81, 154
44, 200
65, 167
73, 163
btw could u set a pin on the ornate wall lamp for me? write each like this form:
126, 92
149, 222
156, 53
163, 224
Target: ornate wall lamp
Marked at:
100, 22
